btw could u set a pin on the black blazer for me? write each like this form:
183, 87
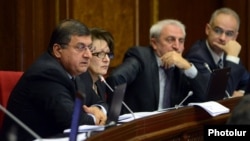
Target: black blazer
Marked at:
101, 87
199, 54
88, 83
44, 100
140, 71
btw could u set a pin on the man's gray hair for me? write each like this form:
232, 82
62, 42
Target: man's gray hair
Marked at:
156, 28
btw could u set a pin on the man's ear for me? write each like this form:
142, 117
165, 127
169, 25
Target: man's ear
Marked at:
207, 29
153, 43
57, 49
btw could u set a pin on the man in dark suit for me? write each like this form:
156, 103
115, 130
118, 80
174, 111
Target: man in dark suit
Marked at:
44, 97
143, 69
222, 31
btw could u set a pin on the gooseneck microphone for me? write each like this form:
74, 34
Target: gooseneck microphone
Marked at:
19, 122
228, 95
208, 68
124, 104
190, 93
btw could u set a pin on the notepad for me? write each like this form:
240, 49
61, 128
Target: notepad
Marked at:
212, 107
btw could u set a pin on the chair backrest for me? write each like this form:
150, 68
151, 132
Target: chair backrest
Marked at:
8, 80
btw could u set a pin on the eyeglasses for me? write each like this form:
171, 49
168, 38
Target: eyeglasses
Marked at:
219, 31
80, 47
103, 55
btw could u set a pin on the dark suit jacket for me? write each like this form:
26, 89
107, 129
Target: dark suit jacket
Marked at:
199, 54
140, 71
88, 83
101, 88
44, 100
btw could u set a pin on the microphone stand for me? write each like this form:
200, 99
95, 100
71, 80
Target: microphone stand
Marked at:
19, 122
190, 93
123, 103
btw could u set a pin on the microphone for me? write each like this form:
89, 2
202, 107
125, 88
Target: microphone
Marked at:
123, 103
208, 68
190, 93
228, 95
19, 122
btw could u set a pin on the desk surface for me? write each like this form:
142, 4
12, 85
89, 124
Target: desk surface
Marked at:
182, 124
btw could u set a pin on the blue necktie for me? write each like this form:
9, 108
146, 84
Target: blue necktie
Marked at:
76, 113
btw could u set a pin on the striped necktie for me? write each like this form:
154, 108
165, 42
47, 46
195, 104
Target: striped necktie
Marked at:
220, 64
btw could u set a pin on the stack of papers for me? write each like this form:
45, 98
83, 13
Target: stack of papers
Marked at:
212, 107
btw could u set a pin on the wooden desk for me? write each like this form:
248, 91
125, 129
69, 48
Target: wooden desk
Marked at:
181, 124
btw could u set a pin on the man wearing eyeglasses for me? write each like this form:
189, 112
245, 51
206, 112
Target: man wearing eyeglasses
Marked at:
45, 97
220, 50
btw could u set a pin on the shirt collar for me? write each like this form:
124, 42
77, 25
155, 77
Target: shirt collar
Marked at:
158, 59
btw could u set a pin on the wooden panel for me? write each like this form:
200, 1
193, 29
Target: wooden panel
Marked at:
34, 28
115, 16
192, 13
7, 35
247, 29
26, 25
185, 123
145, 21
26, 30
243, 38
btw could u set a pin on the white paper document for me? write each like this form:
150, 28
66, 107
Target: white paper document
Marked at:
129, 117
80, 137
212, 107
86, 128
83, 129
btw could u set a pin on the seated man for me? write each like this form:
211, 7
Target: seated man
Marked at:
158, 76
43, 99
220, 50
